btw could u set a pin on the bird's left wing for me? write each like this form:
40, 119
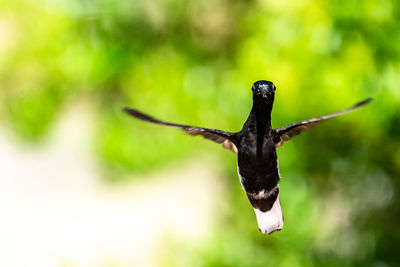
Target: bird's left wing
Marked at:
285, 133
221, 137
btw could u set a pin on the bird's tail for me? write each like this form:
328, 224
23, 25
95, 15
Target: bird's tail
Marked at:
271, 220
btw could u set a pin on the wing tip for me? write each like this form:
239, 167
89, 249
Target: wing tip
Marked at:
128, 110
135, 113
364, 102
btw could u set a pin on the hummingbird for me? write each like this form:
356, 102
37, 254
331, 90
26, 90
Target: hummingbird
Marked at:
255, 145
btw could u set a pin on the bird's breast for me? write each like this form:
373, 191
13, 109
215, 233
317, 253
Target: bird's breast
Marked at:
257, 175
257, 159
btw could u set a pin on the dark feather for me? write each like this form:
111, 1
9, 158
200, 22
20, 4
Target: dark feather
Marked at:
285, 133
212, 134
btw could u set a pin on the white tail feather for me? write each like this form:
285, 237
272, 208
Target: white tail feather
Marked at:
272, 220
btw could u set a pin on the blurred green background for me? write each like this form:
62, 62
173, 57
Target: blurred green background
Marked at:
194, 62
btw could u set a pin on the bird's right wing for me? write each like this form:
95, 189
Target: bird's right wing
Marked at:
285, 133
221, 137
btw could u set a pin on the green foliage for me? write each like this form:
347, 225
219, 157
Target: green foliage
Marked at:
194, 62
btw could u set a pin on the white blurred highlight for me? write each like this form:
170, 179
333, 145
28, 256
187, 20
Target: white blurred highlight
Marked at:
54, 209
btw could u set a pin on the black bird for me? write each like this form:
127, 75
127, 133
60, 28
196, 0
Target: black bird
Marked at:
255, 146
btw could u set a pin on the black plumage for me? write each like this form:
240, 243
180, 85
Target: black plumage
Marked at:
255, 145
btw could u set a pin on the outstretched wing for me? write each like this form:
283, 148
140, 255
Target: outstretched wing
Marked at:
285, 133
221, 137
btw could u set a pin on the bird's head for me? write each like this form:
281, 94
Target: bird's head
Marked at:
264, 90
